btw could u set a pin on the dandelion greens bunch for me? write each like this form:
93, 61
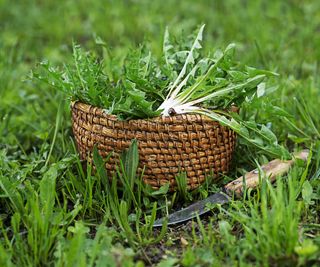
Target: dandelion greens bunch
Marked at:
183, 80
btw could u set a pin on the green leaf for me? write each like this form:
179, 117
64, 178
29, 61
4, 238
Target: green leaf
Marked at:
307, 248
307, 192
141, 104
261, 89
162, 190
100, 166
48, 190
130, 159
268, 134
262, 138
167, 46
189, 59
11, 192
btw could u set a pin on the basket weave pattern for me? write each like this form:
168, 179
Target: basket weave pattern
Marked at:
167, 145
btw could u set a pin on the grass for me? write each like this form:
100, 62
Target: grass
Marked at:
53, 212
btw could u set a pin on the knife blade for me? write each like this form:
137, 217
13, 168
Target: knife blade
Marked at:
251, 179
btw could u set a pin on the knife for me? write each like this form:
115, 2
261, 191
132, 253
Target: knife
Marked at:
270, 170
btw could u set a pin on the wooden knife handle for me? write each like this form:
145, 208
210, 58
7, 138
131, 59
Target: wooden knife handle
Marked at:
271, 170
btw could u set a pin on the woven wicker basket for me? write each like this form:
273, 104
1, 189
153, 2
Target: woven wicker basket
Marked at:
167, 145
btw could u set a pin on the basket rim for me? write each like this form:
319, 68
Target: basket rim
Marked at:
97, 111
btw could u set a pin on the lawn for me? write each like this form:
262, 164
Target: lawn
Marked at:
54, 212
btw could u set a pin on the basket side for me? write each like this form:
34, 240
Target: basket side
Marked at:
167, 145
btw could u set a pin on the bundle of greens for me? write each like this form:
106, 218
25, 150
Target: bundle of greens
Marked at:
183, 80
